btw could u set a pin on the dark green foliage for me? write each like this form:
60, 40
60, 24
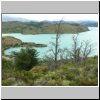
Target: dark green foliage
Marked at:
8, 82
26, 59
6, 65
6, 69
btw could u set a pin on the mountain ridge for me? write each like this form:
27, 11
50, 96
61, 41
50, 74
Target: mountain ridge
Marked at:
84, 22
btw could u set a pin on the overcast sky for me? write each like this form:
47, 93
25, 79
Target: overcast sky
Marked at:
51, 17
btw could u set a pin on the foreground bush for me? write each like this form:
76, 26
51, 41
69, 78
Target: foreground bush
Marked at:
66, 75
6, 64
8, 82
26, 59
39, 69
6, 69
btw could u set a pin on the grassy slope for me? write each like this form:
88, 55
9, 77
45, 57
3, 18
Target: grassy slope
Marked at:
67, 74
35, 28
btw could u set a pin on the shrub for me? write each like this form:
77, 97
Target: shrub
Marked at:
88, 82
6, 69
40, 82
6, 65
40, 69
8, 82
24, 78
26, 59
24, 75
52, 82
20, 83
65, 83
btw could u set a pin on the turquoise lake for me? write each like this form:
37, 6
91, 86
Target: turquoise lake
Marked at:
65, 40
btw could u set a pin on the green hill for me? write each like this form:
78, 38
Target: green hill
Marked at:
40, 27
8, 42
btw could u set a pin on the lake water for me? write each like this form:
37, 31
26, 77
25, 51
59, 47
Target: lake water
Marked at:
65, 40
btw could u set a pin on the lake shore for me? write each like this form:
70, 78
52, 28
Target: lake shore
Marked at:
10, 41
65, 40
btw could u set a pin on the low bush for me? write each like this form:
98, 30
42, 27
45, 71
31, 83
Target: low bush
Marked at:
8, 82
26, 59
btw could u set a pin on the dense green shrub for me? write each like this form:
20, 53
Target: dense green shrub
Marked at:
8, 82
65, 83
26, 59
6, 65
40, 82
85, 82
40, 69
24, 77
52, 83
6, 69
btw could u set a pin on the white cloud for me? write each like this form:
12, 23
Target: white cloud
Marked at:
67, 17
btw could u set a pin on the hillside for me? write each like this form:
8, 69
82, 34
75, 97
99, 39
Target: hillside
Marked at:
8, 42
40, 27
66, 75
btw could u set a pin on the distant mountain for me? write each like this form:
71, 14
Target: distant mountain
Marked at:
84, 22
88, 23
9, 19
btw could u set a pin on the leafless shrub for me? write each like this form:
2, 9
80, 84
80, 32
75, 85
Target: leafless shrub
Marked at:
80, 52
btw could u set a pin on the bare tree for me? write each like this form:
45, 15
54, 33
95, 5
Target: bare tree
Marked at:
76, 49
87, 50
55, 46
79, 52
